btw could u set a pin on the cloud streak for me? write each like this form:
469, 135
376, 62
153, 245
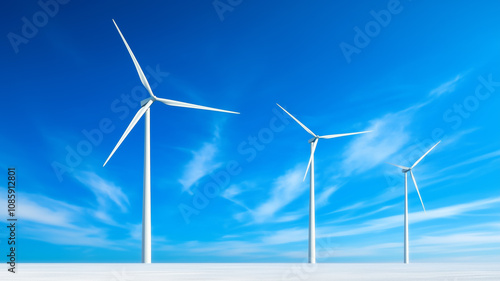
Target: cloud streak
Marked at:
322, 198
199, 166
285, 190
380, 224
56, 222
389, 135
486, 156
104, 191
447, 87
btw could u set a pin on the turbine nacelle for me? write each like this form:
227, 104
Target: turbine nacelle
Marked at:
145, 101
313, 139
409, 169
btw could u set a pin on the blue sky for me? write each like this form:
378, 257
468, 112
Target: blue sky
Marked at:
228, 188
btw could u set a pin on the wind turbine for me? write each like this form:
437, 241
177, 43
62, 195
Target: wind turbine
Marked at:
406, 170
145, 104
312, 223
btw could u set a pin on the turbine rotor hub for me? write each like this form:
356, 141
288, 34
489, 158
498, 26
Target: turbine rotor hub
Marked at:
313, 139
144, 101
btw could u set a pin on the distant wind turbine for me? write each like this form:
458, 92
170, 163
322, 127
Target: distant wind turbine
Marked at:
145, 104
406, 170
312, 223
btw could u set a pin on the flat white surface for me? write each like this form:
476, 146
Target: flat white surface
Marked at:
253, 271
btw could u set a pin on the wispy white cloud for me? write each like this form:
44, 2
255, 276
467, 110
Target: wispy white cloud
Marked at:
454, 210
285, 189
354, 206
380, 224
477, 238
105, 217
202, 164
416, 217
76, 236
389, 135
43, 210
223, 248
60, 223
459, 239
266, 243
291, 216
363, 215
388, 194
429, 244
232, 192
272, 206
370, 250
285, 236
446, 87
454, 138
136, 231
104, 190
322, 198
479, 158
435, 244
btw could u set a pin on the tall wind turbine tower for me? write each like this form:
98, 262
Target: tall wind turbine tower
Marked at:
406, 170
144, 110
312, 220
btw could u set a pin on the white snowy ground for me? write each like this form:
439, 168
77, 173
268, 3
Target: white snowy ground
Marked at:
254, 271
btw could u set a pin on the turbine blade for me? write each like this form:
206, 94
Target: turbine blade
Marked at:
137, 66
310, 159
424, 155
190, 105
342, 135
402, 167
416, 186
136, 118
302, 125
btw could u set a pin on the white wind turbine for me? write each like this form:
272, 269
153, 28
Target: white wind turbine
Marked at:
312, 223
145, 104
406, 170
